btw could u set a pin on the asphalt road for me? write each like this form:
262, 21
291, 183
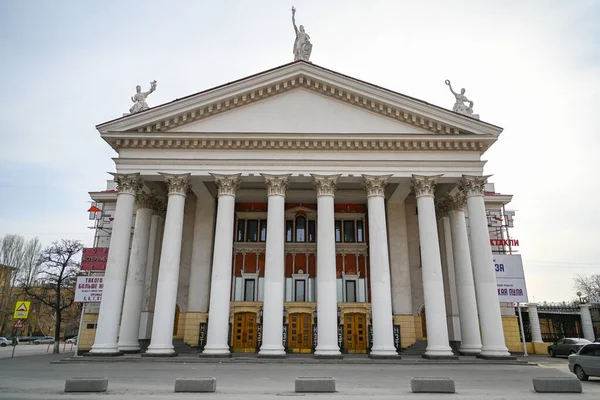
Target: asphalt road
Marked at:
34, 377
25, 349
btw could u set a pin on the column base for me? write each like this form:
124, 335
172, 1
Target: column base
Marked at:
383, 352
271, 352
328, 352
160, 355
105, 350
495, 357
216, 350
469, 350
439, 357
129, 348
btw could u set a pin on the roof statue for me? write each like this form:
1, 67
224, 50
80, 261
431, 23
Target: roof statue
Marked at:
460, 106
302, 45
139, 99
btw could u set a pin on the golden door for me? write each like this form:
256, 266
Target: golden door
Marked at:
300, 333
244, 332
355, 333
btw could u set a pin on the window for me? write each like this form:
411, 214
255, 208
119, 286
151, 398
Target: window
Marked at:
241, 230
338, 231
311, 231
349, 231
249, 289
289, 230
300, 290
360, 235
263, 230
350, 291
587, 351
252, 230
300, 229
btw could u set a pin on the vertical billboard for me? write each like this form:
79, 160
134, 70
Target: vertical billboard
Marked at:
510, 278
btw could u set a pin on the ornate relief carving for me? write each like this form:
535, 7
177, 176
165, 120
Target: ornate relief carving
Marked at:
177, 184
144, 199
442, 206
457, 201
375, 184
424, 185
325, 184
227, 184
127, 183
472, 185
276, 184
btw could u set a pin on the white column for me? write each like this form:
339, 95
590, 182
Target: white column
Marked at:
447, 256
534, 323
327, 345
274, 267
116, 266
147, 310
202, 250
136, 274
486, 289
586, 322
161, 342
463, 271
431, 269
220, 286
381, 295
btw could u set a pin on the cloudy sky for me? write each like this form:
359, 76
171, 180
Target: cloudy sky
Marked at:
531, 67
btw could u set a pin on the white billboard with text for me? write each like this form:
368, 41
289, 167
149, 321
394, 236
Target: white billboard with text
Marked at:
510, 278
89, 289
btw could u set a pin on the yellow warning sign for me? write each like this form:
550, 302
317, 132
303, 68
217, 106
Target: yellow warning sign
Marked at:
21, 309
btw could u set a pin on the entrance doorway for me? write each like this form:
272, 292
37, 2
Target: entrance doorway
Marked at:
300, 338
355, 333
244, 332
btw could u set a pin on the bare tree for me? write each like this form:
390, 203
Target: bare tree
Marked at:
31, 261
588, 285
54, 284
11, 255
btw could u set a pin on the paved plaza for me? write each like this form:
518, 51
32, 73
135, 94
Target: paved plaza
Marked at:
41, 377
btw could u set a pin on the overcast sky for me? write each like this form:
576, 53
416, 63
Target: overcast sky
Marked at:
531, 67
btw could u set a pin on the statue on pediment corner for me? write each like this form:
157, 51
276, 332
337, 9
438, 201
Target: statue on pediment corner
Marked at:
302, 45
139, 99
459, 105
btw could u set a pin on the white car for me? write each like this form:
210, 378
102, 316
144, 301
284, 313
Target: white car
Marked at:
5, 342
44, 340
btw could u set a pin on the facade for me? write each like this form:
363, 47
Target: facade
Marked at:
298, 210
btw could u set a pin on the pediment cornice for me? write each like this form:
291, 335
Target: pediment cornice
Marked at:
404, 109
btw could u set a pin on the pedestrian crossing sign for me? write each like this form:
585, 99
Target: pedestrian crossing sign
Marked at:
21, 309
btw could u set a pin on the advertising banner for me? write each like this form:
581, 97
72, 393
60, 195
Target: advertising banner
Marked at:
89, 289
510, 278
94, 259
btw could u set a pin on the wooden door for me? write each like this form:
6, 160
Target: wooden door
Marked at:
355, 333
244, 332
300, 333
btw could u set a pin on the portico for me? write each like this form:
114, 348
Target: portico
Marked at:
300, 217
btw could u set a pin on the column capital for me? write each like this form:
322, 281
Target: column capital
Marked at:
325, 184
472, 185
424, 185
442, 206
127, 183
456, 201
276, 184
375, 184
177, 183
144, 199
227, 185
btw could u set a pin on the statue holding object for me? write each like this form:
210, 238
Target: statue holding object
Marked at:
302, 45
459, 105
139, 99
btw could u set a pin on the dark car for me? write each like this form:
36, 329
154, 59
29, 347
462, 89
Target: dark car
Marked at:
586, 362
566, 346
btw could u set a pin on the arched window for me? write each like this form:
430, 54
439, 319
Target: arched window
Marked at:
300, 229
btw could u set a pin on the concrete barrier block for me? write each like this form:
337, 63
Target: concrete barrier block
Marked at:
432, 384
86, 384
307, 384
561, 384
203, 384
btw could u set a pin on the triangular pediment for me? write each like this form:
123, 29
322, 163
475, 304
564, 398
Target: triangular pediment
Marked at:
299, 97
299, 111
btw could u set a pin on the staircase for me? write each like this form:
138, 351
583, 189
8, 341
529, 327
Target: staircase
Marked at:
417, 349
183, 348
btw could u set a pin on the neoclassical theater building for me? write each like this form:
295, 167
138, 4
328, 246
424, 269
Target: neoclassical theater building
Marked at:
298, 210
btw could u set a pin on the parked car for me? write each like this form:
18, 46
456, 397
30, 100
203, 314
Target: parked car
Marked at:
44, 340
72, 340
5, 342
29, 339
566, 346
586, 362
